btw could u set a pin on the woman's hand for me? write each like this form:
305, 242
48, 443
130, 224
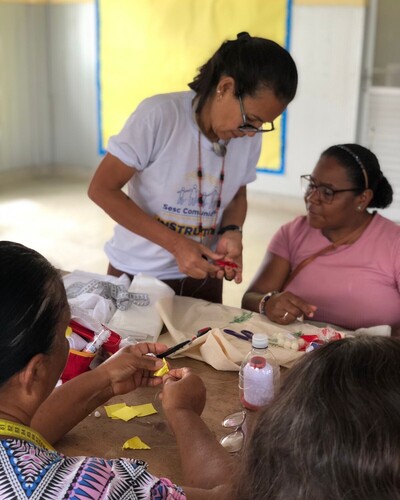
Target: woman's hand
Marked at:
285, 307
183, 390
192, 256
230, 245
130, 368
123, 372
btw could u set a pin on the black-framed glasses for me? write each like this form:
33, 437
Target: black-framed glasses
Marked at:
233, 442
248, 127
325, 193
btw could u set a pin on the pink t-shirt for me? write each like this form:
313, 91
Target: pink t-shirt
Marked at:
354, 286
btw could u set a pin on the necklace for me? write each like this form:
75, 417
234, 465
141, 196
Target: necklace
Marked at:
219, 149
200, 198
12, 429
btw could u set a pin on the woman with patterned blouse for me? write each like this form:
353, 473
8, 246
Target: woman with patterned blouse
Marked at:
34, 315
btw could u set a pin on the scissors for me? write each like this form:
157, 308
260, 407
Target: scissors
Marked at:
243, 335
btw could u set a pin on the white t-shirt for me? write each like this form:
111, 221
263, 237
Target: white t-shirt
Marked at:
160, 140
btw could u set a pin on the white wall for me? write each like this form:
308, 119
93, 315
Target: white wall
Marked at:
72, 74
48, 96
326, 44
327, 47
387, 53
24, 103
381, 134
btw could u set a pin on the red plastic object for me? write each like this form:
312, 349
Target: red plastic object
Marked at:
79, 362
224, 263
310, 338
112, 344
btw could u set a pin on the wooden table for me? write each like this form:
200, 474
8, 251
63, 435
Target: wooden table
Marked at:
104, 437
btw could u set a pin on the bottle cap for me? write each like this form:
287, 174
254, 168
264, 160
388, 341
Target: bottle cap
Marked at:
259, 340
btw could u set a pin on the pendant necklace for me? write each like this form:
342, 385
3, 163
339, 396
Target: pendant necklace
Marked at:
220, 150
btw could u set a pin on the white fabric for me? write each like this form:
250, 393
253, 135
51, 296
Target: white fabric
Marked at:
90, 308
142, 323
95, 306
184, 316
160, 140
137, 323
372, 331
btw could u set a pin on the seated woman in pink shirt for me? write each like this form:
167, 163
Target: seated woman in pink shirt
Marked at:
340, 263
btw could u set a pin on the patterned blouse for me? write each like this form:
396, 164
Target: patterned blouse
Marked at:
28, 471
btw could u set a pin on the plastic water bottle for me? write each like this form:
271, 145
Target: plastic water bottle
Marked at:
259, 374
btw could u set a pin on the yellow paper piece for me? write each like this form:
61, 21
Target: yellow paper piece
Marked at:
128, 412
110, 409
135, 443
163, 370
144, 410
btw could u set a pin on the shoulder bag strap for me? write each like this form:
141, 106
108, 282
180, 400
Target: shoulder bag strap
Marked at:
346, 240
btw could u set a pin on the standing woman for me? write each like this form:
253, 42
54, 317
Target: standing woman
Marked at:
340, 263
185, 174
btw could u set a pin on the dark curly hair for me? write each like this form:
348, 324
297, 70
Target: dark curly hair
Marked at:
350, 156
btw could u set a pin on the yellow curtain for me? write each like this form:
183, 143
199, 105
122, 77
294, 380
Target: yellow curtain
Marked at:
149, 47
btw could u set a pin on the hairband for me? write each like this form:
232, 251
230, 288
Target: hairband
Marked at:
351, 153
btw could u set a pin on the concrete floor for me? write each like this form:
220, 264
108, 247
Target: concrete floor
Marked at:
55, 217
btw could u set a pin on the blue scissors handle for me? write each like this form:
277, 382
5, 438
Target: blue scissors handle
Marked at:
244, 335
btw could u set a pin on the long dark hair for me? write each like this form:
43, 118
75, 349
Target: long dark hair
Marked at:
350, 156
32, 302
333, 431
254, 63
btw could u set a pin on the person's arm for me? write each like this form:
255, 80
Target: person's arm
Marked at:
230, 242
106, 191
208, 469
283, 307
235, 212
71, 402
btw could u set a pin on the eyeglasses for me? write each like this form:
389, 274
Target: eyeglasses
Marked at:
325, 193
248, 127
233, 442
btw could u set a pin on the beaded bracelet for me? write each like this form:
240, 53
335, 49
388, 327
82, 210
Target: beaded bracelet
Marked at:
264, 300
